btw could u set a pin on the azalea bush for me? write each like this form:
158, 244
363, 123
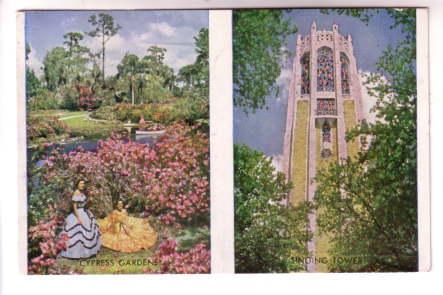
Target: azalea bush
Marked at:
44, 246
170, 260
184, 109
45, 127
150, 126
169, 179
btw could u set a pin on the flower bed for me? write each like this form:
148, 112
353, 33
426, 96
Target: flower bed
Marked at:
168, 180
184, 109
45, 127
170, 260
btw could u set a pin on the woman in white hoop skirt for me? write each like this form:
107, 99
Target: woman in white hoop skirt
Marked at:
81, 228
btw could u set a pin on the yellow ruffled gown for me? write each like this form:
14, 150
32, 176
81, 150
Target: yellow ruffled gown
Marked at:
123, 233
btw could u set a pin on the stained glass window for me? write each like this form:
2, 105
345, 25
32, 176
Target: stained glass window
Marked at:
345, 86
326, 106
325, 69
305, 83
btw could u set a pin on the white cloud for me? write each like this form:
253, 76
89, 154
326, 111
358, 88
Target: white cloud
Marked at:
178, 42
277, 162
34, 63
68, 22
163, 28
285, 77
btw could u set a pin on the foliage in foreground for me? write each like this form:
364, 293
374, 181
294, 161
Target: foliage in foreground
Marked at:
172, 261
269, 236
258, 38
44, 245
369, 204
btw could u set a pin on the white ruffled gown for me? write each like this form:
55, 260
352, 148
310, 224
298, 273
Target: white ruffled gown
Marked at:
83, 240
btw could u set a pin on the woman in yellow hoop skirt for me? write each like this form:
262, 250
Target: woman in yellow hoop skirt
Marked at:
123, 233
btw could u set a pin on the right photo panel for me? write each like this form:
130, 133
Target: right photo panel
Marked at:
325, 133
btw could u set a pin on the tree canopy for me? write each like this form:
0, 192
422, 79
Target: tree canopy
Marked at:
369, 203
139, 79
259, 37
104, 29
269, 236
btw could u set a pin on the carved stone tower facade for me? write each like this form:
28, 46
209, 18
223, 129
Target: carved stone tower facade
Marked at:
325, 100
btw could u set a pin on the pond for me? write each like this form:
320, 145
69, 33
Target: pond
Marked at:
148, 138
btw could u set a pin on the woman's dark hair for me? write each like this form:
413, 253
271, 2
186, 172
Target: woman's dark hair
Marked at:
78, 181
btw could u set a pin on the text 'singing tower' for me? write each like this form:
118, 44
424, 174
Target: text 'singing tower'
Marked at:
325, 101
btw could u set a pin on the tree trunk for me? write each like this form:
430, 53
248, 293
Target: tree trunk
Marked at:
103, 54
132, 91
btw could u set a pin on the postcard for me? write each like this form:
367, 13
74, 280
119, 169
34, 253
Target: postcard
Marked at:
325, 131
117, 142
197, 141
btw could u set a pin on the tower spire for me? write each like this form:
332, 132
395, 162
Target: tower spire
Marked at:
313, 26
334, 27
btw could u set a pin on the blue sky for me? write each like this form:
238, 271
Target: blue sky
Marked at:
264, 130
173, 30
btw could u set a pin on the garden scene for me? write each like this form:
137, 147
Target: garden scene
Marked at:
117, 142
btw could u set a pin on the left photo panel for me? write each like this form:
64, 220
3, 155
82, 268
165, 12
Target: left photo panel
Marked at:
117, 141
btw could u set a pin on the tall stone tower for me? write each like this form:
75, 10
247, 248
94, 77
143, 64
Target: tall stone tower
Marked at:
325, 100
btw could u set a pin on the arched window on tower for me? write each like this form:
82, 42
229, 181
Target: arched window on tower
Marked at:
345, 83
325, 69
305, 82
326, 151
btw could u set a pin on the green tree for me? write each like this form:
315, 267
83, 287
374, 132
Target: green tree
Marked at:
128, 68
202, 62
258, 38
27, 51
72, 40
152, 89
269, 236
33, 84
156, 77
78, 57
54, 68
195, 77
186, 75
153, 63
104, 29
369, 204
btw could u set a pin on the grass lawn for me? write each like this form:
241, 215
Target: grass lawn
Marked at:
80, 124
108, 261
55, 113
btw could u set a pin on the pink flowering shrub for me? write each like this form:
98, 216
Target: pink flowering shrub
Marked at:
45, 127
45, 245
168, 180
195, 260
86, 102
